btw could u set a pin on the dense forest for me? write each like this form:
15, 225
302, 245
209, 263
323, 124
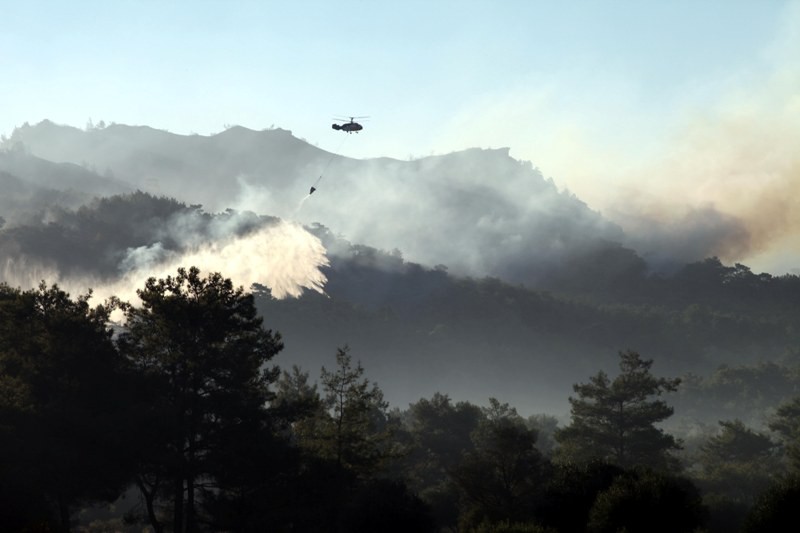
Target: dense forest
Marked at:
404, 316
183, 411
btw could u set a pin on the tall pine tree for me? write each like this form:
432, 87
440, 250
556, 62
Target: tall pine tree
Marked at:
355, 434
615, 421
202, 343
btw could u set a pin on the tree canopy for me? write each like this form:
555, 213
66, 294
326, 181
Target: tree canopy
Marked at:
183, 401
202, 344
62, 386
615, 420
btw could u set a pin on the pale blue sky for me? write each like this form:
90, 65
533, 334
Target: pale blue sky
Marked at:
597, 94
193, 66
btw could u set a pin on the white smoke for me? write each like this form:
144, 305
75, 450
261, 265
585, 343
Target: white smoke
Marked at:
282, 256
22, 272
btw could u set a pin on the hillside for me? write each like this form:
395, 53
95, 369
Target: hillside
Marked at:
467, 273
479, 211
420, 330
31, 184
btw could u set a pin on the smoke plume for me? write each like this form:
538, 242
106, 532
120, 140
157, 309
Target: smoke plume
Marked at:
727, 182
282, 256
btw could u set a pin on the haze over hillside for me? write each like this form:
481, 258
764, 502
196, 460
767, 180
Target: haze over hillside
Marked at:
478, 211
388, 242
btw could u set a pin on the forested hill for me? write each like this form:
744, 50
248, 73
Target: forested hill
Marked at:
422, 329
30, 185
196, 169
468, 273
479, 211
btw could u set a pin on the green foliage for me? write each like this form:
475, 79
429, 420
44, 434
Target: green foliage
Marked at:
725, 514
740, 391
441, 431
296, 402
98, 237
615, 420
386, 506
257, 480
234, 445
570, 492
734, 287
737, 463
355, 432
438, 433
786, 423
703, 315
776, 509
643, 501
95, 238
736, 443
64, 391
202, 345
602, 271
501, 478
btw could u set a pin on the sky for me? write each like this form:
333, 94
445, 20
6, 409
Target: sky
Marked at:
654, 113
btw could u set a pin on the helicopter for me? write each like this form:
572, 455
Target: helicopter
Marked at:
349, 127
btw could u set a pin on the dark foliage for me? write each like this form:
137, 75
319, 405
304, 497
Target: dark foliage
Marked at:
643, 501
615, 420
570, 493
387, 506
786, 423
64, 391
202, 346
502, 477
244, 454
776, 509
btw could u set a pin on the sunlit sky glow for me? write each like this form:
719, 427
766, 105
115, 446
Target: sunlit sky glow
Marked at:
631, 105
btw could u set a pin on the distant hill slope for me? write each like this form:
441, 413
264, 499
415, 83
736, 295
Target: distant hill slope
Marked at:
31, 184
193, 168
478, 211
419, 330
426, 258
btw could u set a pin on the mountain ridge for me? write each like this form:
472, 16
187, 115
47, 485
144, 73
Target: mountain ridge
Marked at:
478, 210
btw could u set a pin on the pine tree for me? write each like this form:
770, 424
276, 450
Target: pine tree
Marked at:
203, 345
501, 478
356, 433
786, 424
64, 392
615, 420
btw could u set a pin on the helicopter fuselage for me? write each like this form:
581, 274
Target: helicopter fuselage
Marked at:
349, 127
